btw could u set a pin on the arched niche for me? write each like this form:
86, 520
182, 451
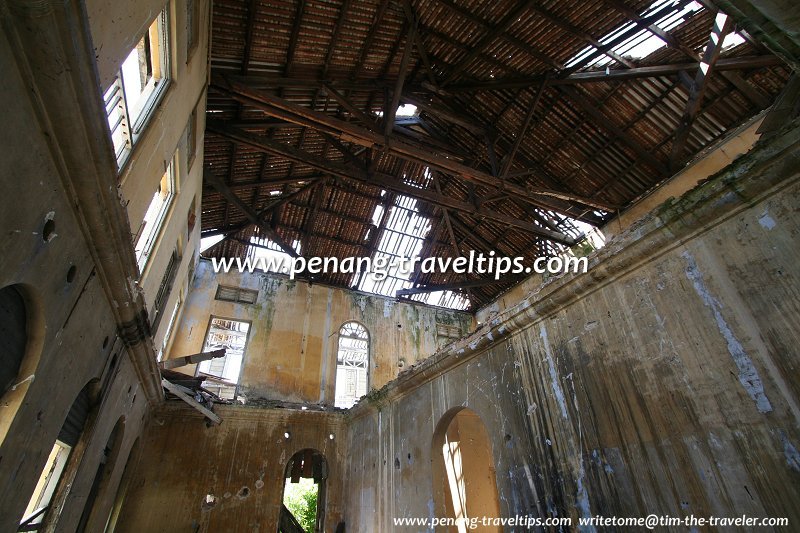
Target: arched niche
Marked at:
462, 468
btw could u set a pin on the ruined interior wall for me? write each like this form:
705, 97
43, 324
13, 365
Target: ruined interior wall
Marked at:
72, 337
663, 381
116, 28
293, 338
241, 462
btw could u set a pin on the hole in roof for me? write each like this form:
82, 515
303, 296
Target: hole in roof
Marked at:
638, 44
403, 110
402, 236
208, 242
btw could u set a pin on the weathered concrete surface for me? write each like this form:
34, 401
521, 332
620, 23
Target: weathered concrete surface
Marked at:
86, 316
241, 463
663, 381
293, 338
72, 333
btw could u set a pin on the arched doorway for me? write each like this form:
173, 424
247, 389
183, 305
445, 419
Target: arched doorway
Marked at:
464, 482
303, 499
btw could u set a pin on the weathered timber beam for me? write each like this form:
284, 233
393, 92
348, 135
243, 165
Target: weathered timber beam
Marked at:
391, 107
268, 183
251, 215
455, 286
653, 71
377, 179
603, 121
488, 38
722, 25
405, 149
509, 162
178, 391
192, 359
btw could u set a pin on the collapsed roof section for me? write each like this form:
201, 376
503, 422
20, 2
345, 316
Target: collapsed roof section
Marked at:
357, 128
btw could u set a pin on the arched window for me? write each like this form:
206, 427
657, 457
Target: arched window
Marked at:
352, 365
22, 331
60, 458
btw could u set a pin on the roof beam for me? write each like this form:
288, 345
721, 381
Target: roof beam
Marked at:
455, 286
177, 362
404, 149
248, 40
178, 391
577, 32
722, 25
274, 184
367, 46
654, 71
391, 108
516, 42
252, 216
298, 19
449, 115
605, 122
411, 16
385, 181
526, 122
487, 38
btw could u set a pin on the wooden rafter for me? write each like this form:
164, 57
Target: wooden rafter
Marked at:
607, 123
248, 211
722, 26
405, 149
455, 286
526, 122
652, 71
487, 38
391, 108
379, 180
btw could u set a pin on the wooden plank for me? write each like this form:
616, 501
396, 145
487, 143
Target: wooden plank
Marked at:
176, 390
191, 359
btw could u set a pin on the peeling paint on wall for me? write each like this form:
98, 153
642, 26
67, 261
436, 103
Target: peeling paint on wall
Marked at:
748, 375
766, 221
559, 394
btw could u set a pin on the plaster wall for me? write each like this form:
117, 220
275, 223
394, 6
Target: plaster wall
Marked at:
240, 462
293, 336
115, 29
663, 381
72, 337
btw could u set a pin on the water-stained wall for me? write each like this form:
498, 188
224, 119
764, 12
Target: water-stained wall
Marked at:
229, 477
293, 336
663, 381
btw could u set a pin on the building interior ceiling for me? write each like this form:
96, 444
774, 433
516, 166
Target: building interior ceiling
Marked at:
355, 128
